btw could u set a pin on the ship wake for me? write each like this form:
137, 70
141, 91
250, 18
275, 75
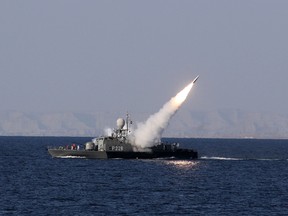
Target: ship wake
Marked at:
237, 159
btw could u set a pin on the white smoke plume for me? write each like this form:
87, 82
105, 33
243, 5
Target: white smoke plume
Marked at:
108, 131
149, 133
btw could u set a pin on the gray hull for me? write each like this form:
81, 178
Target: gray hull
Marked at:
179, 154
61, 153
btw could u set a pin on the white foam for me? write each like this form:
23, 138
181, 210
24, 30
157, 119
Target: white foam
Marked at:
71, 156
220, 158
227, 158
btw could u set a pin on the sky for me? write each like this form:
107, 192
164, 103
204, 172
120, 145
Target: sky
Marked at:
85, 56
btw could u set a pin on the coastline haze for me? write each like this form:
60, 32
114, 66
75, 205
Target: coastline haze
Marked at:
106, 56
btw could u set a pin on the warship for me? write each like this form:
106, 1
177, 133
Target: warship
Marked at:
118, 145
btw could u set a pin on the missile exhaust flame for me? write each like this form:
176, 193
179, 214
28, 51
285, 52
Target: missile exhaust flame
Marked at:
149, 133
182, 95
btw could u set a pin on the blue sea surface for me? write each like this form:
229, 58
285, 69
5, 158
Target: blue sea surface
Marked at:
231, 177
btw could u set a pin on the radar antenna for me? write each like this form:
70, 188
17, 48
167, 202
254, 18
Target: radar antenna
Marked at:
128, 121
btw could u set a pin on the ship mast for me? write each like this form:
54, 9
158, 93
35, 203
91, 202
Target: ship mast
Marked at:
127, 121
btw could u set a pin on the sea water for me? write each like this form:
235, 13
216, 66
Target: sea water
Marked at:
231, 177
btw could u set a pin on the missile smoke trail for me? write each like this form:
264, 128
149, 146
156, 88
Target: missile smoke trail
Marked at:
149, 133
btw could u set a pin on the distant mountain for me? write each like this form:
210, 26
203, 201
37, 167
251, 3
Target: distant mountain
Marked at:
214, 124
229, 124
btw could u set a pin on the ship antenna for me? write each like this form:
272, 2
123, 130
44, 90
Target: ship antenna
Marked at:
127, 121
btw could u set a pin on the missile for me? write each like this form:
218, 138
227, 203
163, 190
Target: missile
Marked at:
195, 79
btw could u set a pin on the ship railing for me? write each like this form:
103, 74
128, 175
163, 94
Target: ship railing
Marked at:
68, 147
